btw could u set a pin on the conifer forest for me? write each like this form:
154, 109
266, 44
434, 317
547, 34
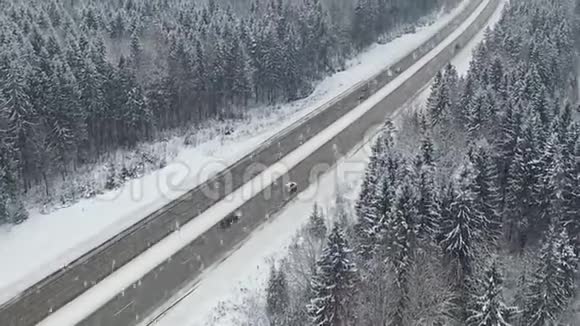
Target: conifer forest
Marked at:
469, 211
81, 79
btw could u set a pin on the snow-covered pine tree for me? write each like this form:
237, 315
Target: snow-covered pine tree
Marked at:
242, 83
520, 295
12, 210
428, 209
91, 98
520, 205
568, 263
539, 105
316, 224
136, 115
333, 285
529, 85
451, 82
573, 225
20, 113
496, 74
4, 217
342, 210
462, 114
477, 114
67, 105
488, 307
461, 237
112, 180
427, 151
437, 99
136, 55
373, 174
363, 23
549, 287
559, 181
560, 177
509, 133
461, 227
443, 97
277, 297
375, 197
371, 232
402, 244
487, 193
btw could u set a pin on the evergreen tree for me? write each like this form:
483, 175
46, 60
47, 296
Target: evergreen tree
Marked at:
509, 134
333, 285
438, 99
21, 119
12, 210
136, 55
316, 225
489, 308
428, 209
478, 113
402, 243
371, 232
277, 297
487, 194
65, 120
548, 290
463, 114
451, 80
362, 31
91, 98
559, 184
444, 93
427, 151
376, 194
568, 263
496, 75
118, 27
573, 223
520, 197
460, 228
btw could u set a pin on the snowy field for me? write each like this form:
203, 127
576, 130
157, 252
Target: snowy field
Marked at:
213, 300
46, 243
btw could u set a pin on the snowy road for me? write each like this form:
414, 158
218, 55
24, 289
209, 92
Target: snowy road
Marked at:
247, 269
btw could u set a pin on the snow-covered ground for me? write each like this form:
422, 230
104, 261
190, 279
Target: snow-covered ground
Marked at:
246, 270
45, 243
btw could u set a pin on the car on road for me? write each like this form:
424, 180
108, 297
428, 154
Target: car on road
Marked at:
291, 188
230, 220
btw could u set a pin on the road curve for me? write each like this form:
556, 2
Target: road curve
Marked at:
63, 286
